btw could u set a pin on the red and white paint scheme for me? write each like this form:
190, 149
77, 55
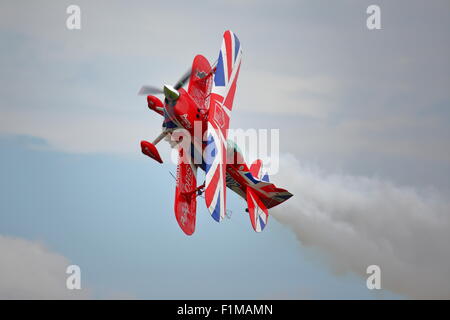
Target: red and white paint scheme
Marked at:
207, 104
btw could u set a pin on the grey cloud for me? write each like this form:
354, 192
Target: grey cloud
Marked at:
304, 58
28, 270
358, 221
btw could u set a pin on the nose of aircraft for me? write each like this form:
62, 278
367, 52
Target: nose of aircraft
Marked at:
170, 92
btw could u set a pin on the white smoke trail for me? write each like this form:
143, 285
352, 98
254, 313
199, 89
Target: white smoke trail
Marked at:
359, 221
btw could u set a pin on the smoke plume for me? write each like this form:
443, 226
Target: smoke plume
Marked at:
360, 221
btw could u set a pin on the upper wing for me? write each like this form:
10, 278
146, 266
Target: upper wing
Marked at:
220, 105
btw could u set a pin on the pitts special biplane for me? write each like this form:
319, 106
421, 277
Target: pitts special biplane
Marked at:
208, 101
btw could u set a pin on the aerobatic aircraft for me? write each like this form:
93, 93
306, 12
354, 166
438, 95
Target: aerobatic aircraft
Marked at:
207, 104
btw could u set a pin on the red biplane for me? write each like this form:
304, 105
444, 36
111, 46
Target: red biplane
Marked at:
208, 101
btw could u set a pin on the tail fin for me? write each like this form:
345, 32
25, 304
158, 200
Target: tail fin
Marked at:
257, 210
258, 172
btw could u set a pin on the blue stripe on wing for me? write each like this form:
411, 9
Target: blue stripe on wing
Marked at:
211, 150
219, 75
237, 45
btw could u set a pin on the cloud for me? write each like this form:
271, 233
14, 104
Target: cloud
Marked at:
28, 270
82, 133
312, 96
314, 59
360, 221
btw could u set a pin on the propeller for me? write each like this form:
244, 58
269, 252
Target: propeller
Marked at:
183, 80
147, 90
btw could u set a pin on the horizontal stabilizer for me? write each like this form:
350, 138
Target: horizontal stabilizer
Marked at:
257, 211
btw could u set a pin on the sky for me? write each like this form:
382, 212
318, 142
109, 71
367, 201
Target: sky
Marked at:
75, 188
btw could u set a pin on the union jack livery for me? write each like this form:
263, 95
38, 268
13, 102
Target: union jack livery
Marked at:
207, 105
220, 105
